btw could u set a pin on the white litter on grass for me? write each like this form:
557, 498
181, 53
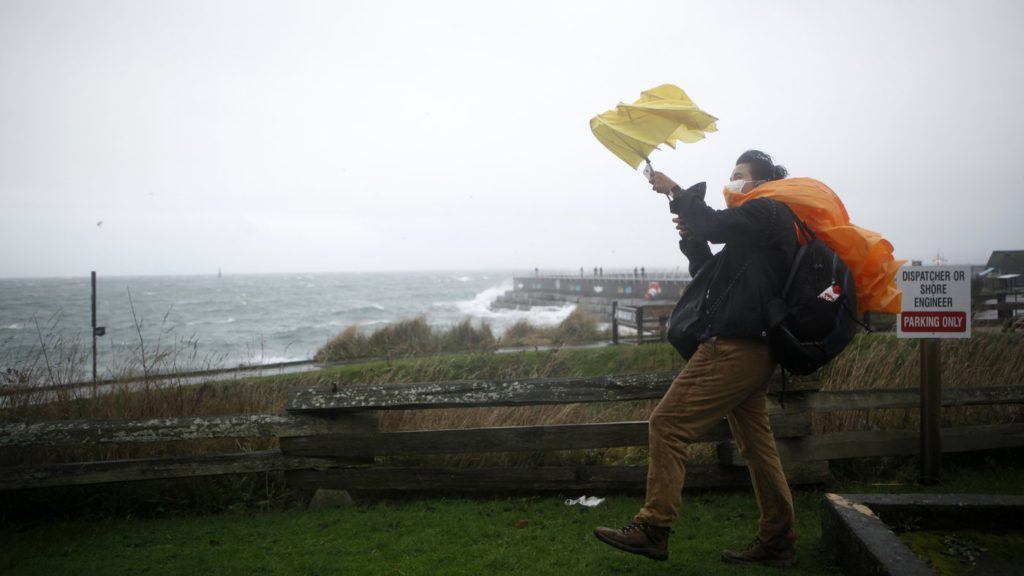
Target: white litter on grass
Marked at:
588, 501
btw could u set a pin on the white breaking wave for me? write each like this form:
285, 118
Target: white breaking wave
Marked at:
202, 322
258, 360
357, 308
480, 307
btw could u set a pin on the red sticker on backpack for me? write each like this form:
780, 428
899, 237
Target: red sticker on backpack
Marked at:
831, 294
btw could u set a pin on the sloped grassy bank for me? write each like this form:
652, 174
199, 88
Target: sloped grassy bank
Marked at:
414, 336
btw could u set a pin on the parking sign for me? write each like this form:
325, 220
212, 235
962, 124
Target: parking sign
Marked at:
936, 302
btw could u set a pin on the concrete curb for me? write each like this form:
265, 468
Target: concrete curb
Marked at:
864, 544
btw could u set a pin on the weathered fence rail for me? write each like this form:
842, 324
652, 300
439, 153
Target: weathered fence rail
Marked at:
332, 438
82, 473
71, 432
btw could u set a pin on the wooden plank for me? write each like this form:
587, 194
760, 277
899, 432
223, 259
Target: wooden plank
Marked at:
507, 439
791, 423
842, 445
910, 398
794, 384
788, 424
476, 393
80, 432
534, 479
77, 432
81, 473
473, 479
361, 424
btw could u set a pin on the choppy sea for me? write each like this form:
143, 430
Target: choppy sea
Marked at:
232, 320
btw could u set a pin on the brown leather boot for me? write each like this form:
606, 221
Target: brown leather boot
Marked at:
760, 555
638, 538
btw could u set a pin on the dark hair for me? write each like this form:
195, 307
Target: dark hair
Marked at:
761, 166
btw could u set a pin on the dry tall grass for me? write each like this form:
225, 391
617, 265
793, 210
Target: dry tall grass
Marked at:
414, 337
47, 386
875, 361
883, 362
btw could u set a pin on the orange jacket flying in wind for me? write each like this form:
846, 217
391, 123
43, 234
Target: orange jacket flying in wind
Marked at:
866, 253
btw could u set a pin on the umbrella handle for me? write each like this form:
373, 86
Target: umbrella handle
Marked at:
649, 173
648, 170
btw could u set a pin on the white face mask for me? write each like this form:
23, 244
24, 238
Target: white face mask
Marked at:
736, 186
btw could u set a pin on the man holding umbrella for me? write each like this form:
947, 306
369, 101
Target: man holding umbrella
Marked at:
721, 328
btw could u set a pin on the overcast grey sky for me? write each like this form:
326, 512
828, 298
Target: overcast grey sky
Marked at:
261, 136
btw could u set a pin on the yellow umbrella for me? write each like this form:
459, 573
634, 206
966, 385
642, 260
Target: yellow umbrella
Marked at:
662, 115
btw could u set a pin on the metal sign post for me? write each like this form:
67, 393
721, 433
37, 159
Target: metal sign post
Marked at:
96, 330
93, 326
936, 304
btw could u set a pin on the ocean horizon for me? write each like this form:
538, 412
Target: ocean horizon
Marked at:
219, 321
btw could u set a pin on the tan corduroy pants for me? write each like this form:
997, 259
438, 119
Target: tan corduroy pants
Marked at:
723, 378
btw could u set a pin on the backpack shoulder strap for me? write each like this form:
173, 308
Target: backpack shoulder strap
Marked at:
801, 251
808, 233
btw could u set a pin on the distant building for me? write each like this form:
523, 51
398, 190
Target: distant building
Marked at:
1004, 269
1006, 262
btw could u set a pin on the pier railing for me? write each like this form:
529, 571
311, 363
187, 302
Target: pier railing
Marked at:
667, 287
650, 322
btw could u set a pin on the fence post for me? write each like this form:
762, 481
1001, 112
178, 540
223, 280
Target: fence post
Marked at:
931, 410
615, 322
354, 422
94, 333
1002, 313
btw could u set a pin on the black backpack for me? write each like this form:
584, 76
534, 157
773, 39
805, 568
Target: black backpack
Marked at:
816, 317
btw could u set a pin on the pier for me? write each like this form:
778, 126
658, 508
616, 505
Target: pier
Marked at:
594, 294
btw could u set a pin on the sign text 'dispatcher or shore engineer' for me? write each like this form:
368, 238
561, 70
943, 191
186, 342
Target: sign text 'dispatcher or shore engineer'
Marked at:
936, 302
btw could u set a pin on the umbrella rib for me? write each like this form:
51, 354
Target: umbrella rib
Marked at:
627, 144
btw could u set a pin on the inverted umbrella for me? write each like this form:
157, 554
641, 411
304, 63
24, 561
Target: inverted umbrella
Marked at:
662, 115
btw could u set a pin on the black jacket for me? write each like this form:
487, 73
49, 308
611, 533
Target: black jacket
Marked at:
730, 291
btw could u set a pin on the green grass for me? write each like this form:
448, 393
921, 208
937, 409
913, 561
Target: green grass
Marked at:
966, 552
553, 363
433, 536
441, 536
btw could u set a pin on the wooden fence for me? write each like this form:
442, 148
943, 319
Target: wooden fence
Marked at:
1006, 301
332, 438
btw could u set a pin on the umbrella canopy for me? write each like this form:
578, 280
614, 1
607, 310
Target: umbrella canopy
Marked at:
662, 115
